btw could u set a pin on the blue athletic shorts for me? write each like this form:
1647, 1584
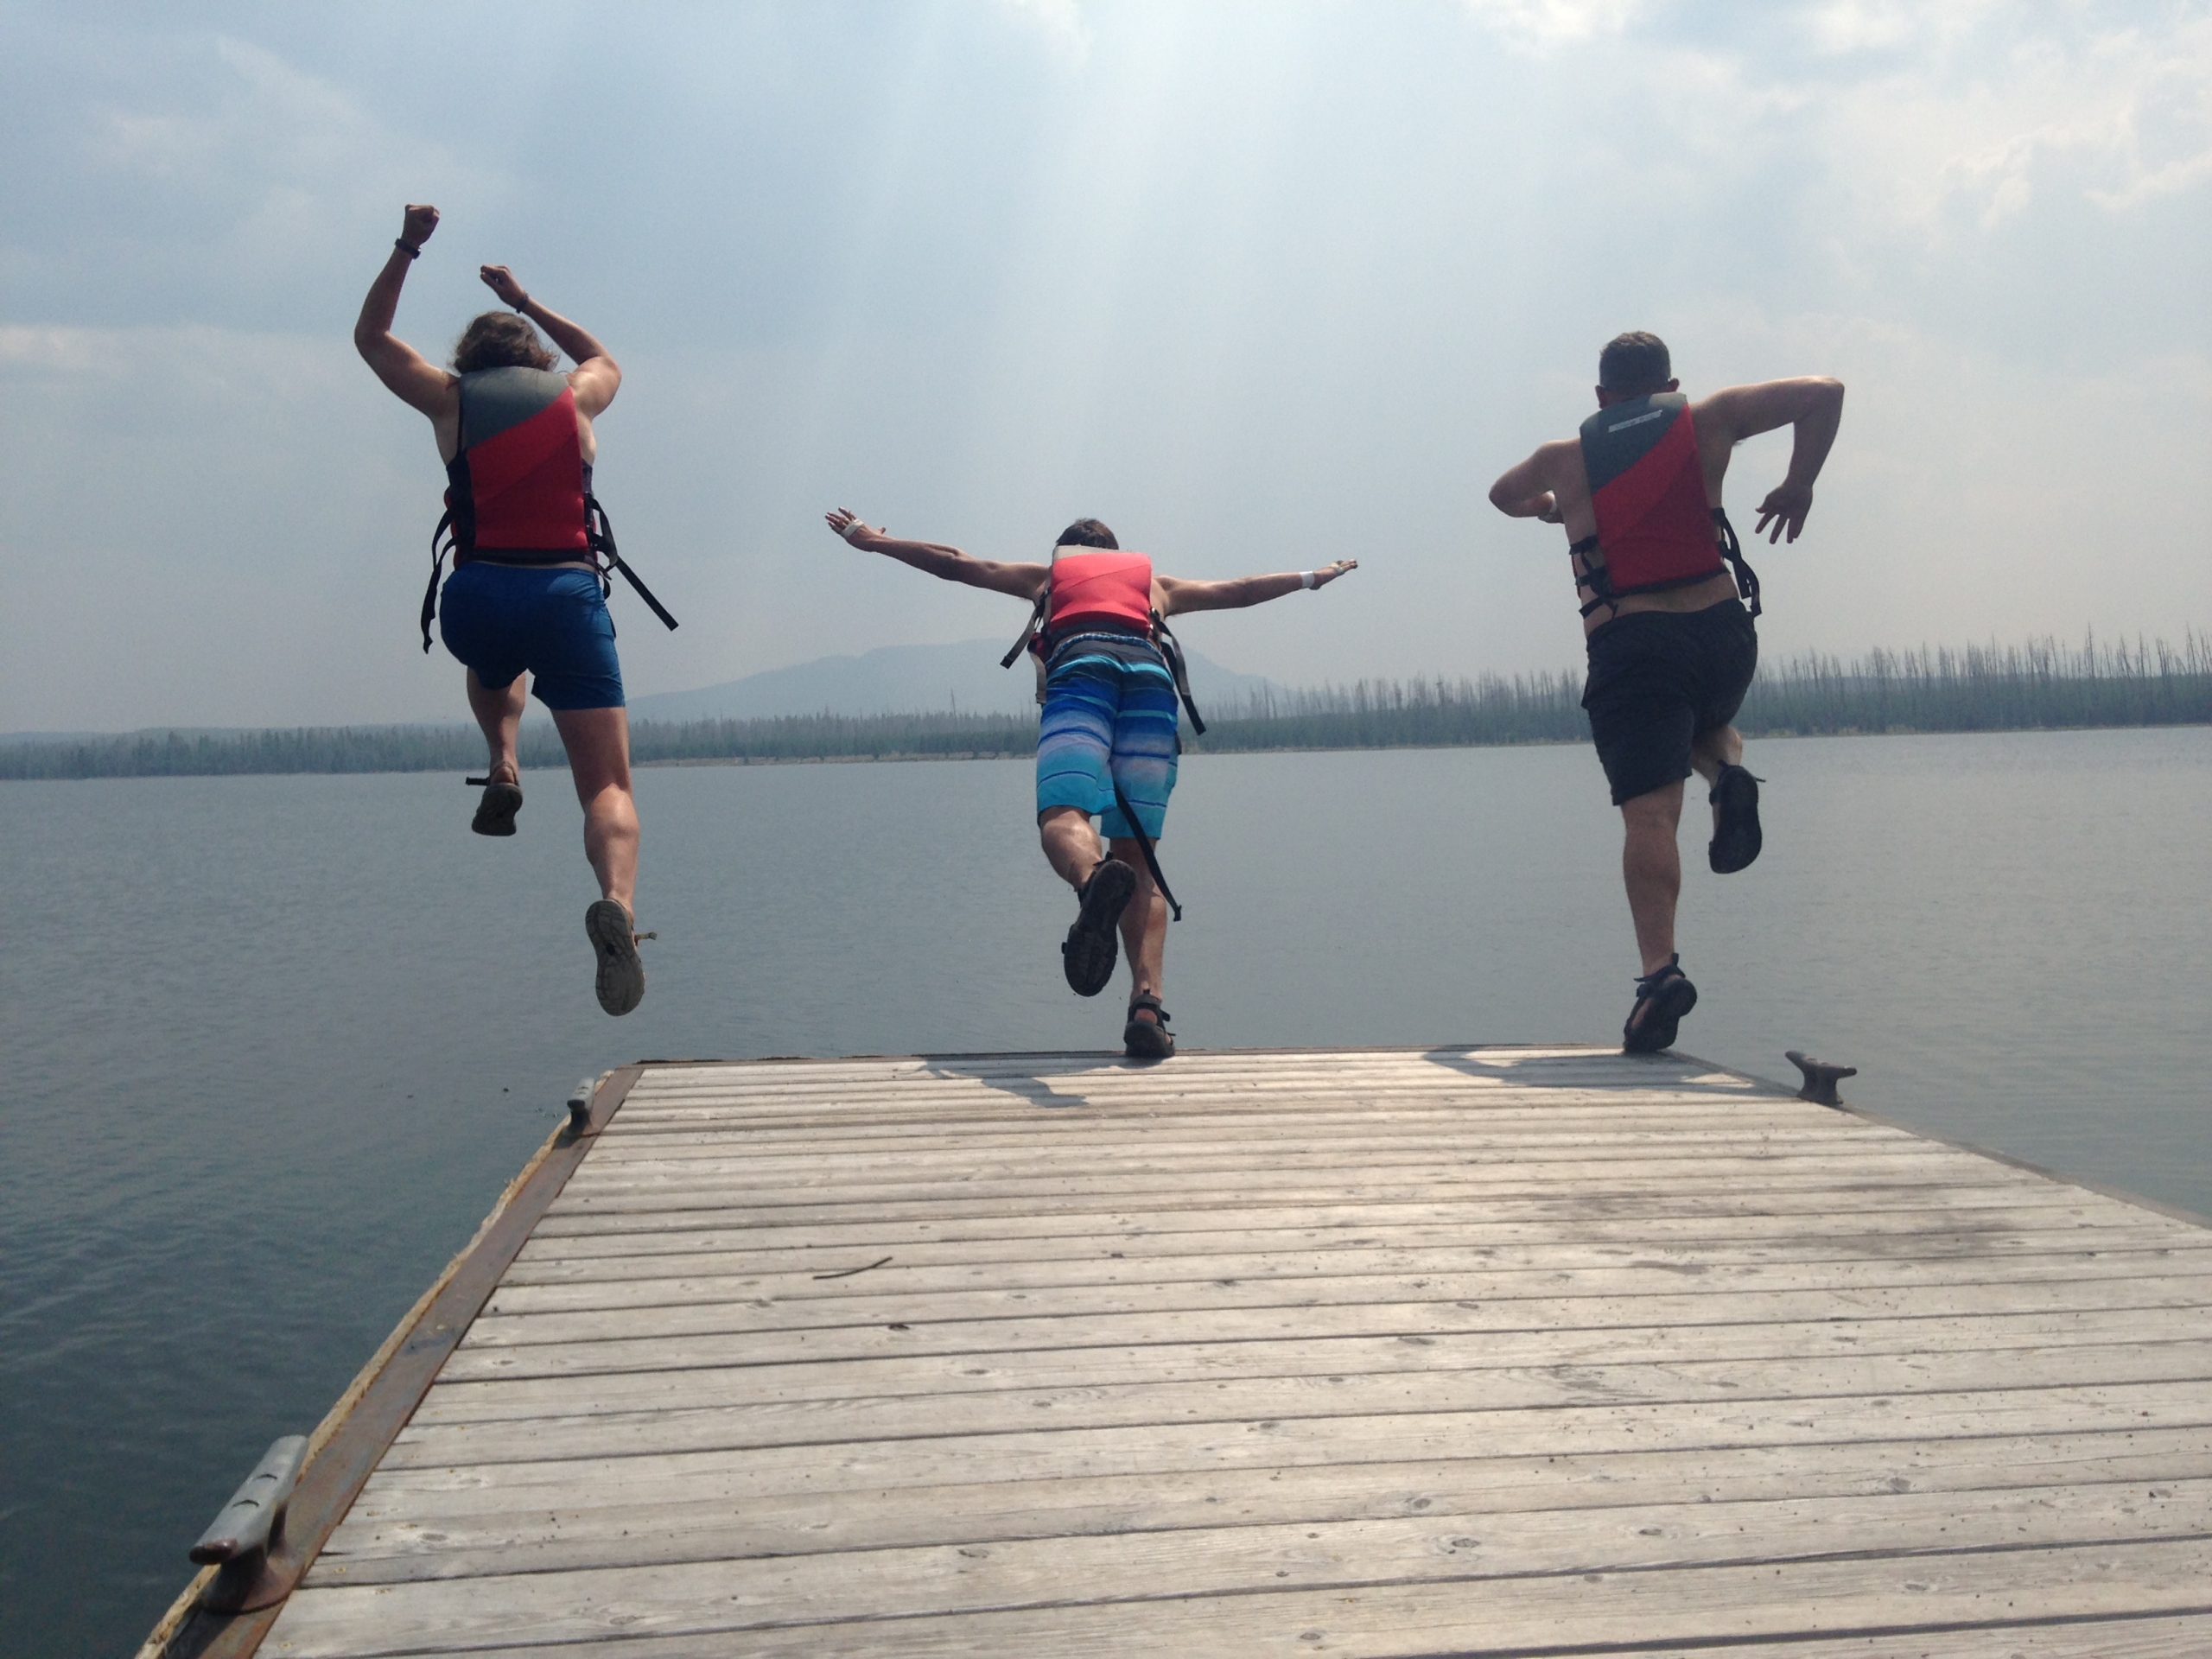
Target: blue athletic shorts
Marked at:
504, 619
1110, 717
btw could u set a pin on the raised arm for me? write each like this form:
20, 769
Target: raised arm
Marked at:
1812, 404
1022, 581
416, 381
1184, 594
596, 377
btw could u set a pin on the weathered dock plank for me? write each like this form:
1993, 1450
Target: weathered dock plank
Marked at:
1375, 1353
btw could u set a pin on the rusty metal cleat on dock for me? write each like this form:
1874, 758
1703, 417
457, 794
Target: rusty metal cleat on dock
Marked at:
1821, 1077
579, 1099
246, 1538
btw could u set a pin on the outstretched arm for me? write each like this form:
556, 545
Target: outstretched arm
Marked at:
1811, 405
596, 377
1022, 581
1184, 594
415, 381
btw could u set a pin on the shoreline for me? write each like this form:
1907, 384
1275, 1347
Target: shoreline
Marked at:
557, 761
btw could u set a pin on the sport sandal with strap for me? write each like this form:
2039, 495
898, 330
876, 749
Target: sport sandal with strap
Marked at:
1661, 1000
1091, 949
1148, 1039
1736, 835
622, 983
495, 812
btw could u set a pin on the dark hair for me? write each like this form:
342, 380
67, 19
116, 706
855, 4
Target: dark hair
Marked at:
1634, 362
1087, 532
500, 340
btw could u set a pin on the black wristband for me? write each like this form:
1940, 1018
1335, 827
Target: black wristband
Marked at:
412, 253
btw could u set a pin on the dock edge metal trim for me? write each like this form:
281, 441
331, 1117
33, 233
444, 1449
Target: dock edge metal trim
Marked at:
355, 1432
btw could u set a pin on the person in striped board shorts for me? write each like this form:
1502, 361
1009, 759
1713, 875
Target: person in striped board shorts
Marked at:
1107, 741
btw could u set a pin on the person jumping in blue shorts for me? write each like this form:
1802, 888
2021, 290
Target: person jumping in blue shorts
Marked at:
524, 595
1106, 739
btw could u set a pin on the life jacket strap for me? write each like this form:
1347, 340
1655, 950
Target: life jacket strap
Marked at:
1144, 846
437, 562
1172, 652
1030, 634
598, 531
1747, 580
1599, 581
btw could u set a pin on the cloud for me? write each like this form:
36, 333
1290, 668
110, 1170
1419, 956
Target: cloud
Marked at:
1060, 22
1543, 26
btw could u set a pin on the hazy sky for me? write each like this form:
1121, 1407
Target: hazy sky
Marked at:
1260, 285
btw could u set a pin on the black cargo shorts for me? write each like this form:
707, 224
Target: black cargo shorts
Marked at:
1658, 680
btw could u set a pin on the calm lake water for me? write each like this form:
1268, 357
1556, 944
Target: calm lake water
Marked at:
274, 1044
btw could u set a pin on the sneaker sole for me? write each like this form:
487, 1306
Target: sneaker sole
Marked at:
1736, 836
1089, 953
495, 813
622, 983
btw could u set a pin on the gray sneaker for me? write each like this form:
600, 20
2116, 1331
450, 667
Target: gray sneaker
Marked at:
621, 975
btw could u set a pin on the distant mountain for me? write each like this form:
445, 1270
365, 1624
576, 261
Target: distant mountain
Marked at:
901, 679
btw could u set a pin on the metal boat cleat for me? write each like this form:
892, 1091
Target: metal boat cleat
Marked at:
1821, 1077
579, 1099
246, 1538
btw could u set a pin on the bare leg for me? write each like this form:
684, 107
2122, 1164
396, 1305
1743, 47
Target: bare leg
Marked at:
499, 713
1651, 866
1071, 844
1144, 926
598, 742
1721, 747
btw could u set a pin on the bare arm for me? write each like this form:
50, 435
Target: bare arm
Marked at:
1022, 581
1527, 491
597, 377
419, 384
1184, 594
1811, 405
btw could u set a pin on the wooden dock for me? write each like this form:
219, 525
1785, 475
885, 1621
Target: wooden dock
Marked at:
1495, 1351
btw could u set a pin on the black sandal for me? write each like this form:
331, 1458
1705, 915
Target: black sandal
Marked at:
1670, 995
495, 813
1089, 953
1148, 1039
1736, 835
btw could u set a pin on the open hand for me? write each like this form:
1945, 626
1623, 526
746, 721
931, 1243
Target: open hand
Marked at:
846, 522
1329, 573
1787, 505
501, 281
422, 220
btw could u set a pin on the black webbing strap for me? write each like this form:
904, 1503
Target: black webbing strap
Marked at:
1172, 653
1595, 577
601, 534
437, 562
1036, 624
1747, 580
1599, 581
1144, 846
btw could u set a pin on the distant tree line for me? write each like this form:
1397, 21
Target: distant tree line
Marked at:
2040, 685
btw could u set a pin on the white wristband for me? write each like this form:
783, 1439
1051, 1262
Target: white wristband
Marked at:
856, 527
1308, 579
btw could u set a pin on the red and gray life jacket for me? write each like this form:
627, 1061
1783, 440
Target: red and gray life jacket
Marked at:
1655, 529
1101, 590
519, 489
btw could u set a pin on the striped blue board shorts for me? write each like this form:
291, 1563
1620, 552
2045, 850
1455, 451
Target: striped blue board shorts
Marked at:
1109, 718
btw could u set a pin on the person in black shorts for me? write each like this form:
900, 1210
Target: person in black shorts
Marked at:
1668, 610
